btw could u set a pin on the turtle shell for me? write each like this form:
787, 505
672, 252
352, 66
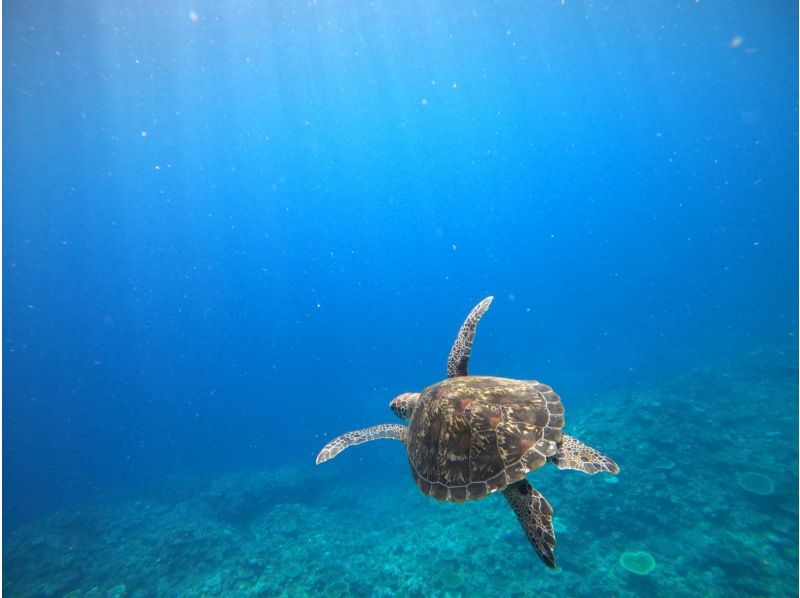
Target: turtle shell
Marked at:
473, 435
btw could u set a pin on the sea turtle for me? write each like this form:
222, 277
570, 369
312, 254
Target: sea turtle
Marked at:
471, 436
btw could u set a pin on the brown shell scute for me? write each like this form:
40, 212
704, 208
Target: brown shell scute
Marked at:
473, 435
453, 454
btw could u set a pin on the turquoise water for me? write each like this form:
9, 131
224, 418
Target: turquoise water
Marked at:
358, 525
234, 231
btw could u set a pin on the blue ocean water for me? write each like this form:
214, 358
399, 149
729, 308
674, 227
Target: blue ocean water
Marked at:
234, 230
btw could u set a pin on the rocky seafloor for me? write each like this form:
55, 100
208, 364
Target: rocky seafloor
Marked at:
705, 505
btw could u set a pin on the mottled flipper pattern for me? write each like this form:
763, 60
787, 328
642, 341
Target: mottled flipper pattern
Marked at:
573, 454
536, 516
338, 444
458, 360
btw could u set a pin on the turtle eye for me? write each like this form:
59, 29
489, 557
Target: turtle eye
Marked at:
523, 489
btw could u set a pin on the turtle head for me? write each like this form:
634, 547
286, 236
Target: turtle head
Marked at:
404, 404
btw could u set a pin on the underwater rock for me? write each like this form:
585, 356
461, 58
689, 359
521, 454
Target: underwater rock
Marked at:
337, 589
727, 555
451, 579
243, 497
448, 553
639, 562
756, 483
118, 591
213, 583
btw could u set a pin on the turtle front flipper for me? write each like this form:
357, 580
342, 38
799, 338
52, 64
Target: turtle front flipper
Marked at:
536, 516
338, 444
573, 454
458, 360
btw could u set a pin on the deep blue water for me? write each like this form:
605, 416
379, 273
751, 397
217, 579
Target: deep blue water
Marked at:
231, 228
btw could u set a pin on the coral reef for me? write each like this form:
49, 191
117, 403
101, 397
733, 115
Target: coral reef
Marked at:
685, 495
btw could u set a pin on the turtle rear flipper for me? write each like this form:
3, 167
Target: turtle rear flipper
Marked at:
338, 444
536, 516
573, 454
